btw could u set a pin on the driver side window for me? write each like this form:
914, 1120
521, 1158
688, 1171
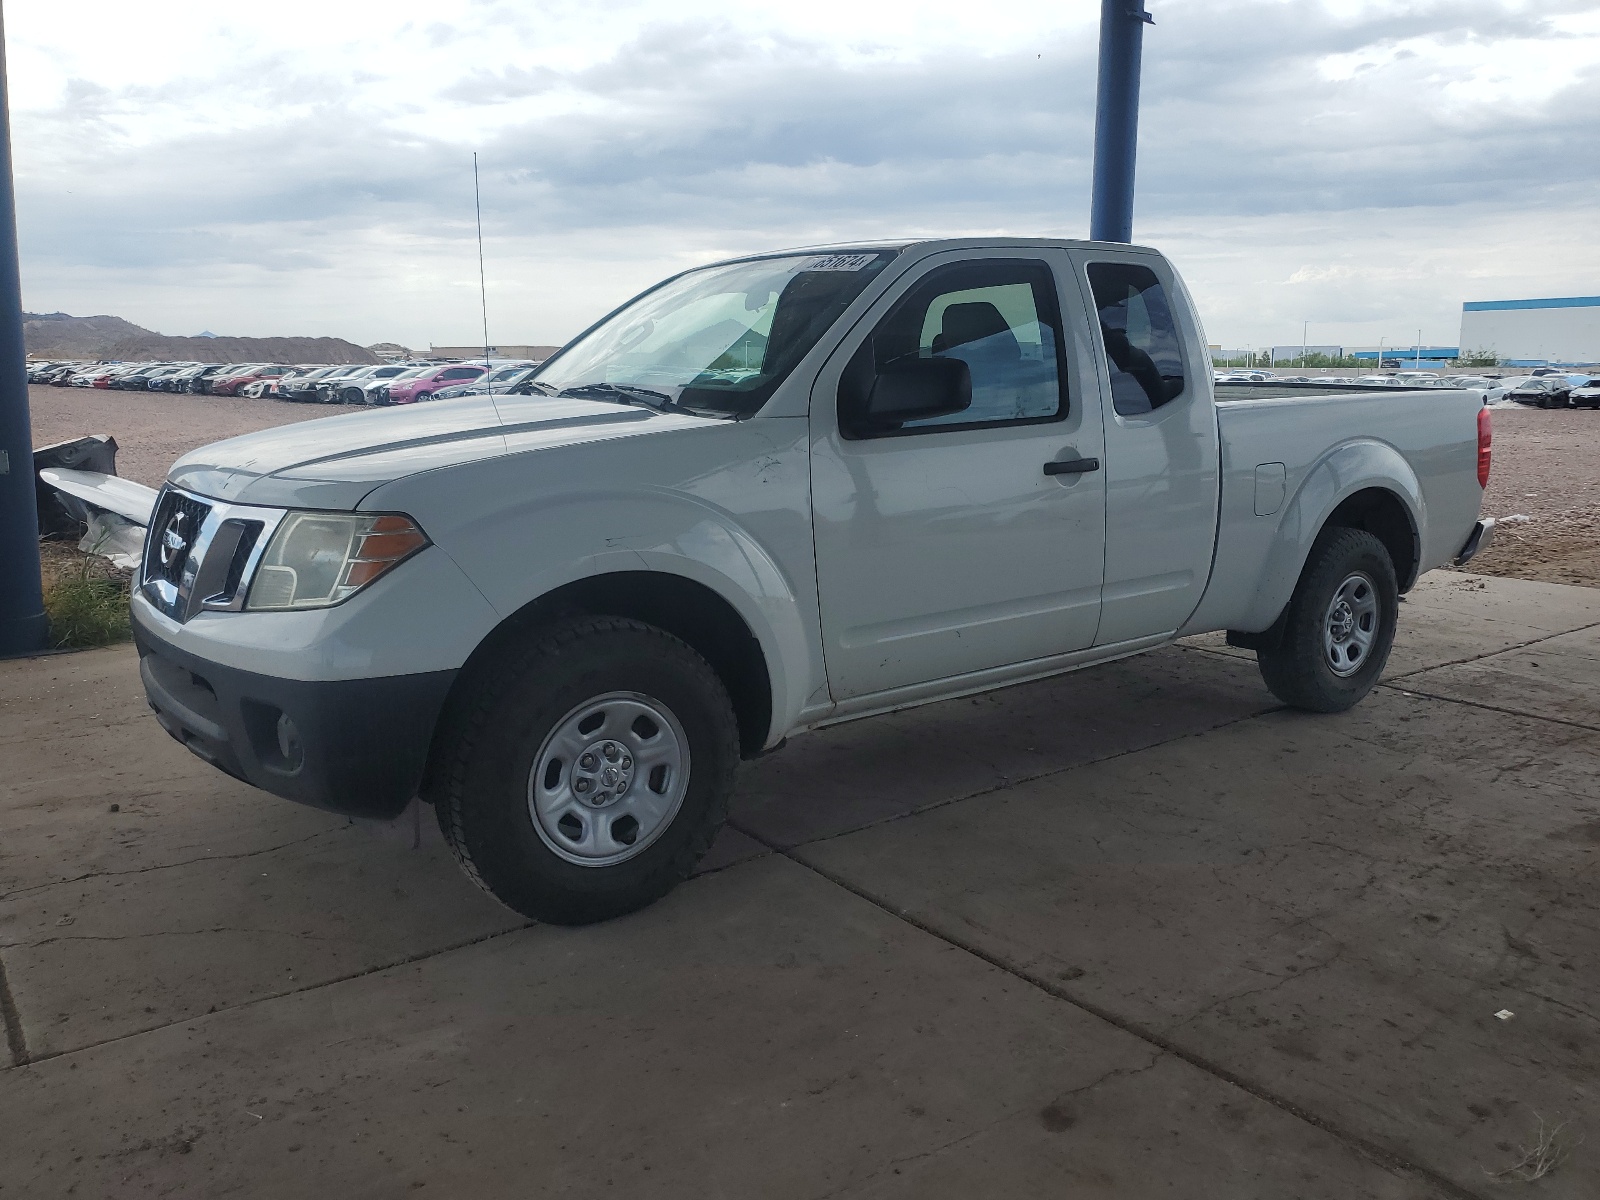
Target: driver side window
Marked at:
998, 317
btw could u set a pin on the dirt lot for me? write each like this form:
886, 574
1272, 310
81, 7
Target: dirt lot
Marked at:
154, 429
1545, 487
1546, 475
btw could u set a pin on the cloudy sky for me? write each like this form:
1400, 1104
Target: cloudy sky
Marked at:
305, 166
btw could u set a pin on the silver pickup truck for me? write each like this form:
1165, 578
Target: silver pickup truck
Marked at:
763, 497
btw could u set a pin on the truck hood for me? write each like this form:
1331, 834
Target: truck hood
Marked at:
333, 462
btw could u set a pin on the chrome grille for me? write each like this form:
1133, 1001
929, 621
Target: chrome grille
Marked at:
173, 532
221, 545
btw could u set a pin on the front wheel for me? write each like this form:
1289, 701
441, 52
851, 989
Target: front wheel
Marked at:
1339, 627
585, 773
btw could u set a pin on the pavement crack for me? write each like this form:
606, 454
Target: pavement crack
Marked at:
952, 1143
1497, 708
1278, 981
55, 883
1572, 1010
1114, 1073
405, 961
16, 1042
159, 933
894, 1164
1475, 658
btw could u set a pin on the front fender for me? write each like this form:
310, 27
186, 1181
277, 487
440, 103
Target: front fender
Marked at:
1343, 471
724, 504
524, 552
722, 556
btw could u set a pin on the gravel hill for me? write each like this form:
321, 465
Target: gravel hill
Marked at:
58, 335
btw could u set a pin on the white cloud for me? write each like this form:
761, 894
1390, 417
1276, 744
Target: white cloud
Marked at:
306, 168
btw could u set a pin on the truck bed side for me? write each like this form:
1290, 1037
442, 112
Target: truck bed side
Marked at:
1289, 461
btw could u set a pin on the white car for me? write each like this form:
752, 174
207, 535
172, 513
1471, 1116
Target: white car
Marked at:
1501, 389
1586, 395
766, 496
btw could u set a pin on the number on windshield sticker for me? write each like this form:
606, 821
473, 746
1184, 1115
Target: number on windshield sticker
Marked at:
841, 262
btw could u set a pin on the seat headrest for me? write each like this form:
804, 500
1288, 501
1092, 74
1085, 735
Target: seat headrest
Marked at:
973, 322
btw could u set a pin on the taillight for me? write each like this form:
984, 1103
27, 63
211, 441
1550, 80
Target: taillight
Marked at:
1485, 437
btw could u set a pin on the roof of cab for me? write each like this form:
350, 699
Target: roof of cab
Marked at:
930, 245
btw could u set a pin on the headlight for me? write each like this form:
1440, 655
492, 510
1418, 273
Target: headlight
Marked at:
317, 559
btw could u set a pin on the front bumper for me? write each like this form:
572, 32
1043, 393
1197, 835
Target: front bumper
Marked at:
352, 746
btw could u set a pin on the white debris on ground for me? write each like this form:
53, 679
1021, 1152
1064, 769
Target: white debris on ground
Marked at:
114, 537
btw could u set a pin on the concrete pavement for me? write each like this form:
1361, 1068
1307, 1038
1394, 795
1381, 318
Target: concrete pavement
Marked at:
1135, 931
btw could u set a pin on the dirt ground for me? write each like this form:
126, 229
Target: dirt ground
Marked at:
1545, 485
154, 429
1545, 488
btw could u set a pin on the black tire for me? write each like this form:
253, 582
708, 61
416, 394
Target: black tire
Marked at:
1298, 669
493, 734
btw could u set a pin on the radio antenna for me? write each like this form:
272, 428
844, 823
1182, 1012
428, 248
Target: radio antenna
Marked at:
483, 287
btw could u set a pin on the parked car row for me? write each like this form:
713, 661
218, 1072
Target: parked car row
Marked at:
391, 383
1543, 389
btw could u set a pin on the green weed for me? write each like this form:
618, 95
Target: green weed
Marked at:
86, 607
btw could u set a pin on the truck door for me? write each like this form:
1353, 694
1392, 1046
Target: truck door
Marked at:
1161, 473
972, 540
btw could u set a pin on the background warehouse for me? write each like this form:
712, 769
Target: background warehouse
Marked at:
1534, 332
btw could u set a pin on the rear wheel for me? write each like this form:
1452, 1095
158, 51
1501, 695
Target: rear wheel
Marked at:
1339, 627
585, 773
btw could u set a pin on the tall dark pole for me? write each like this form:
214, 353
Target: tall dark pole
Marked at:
22, 621
1116, 119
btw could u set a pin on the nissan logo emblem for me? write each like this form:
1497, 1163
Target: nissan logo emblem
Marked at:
174, 539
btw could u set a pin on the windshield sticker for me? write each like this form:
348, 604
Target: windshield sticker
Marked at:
841, 262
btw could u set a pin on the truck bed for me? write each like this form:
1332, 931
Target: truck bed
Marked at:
1424, 439
1265, 391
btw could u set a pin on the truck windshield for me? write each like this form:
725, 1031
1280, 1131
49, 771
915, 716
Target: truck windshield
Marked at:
718, 340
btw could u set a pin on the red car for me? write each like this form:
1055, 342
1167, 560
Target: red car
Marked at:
231, 385
409, 391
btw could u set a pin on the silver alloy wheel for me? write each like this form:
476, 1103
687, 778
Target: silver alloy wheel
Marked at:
609, 779
1351, 625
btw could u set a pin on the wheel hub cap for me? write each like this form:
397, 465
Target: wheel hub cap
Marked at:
603, 774
609, 779
1351, 625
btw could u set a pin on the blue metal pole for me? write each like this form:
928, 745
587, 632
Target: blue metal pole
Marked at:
23, 626
1116, 119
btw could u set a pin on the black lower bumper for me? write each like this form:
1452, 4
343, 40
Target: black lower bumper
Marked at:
353, 746
1477, 542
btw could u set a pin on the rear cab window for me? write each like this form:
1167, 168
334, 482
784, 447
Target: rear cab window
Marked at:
1143, 346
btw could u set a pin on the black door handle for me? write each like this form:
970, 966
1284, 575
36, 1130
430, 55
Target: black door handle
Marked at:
1072, 466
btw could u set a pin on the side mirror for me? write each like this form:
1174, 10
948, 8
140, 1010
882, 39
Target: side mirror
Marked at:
914, 389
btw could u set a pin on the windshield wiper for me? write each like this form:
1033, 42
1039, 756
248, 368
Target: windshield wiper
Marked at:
622, 393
